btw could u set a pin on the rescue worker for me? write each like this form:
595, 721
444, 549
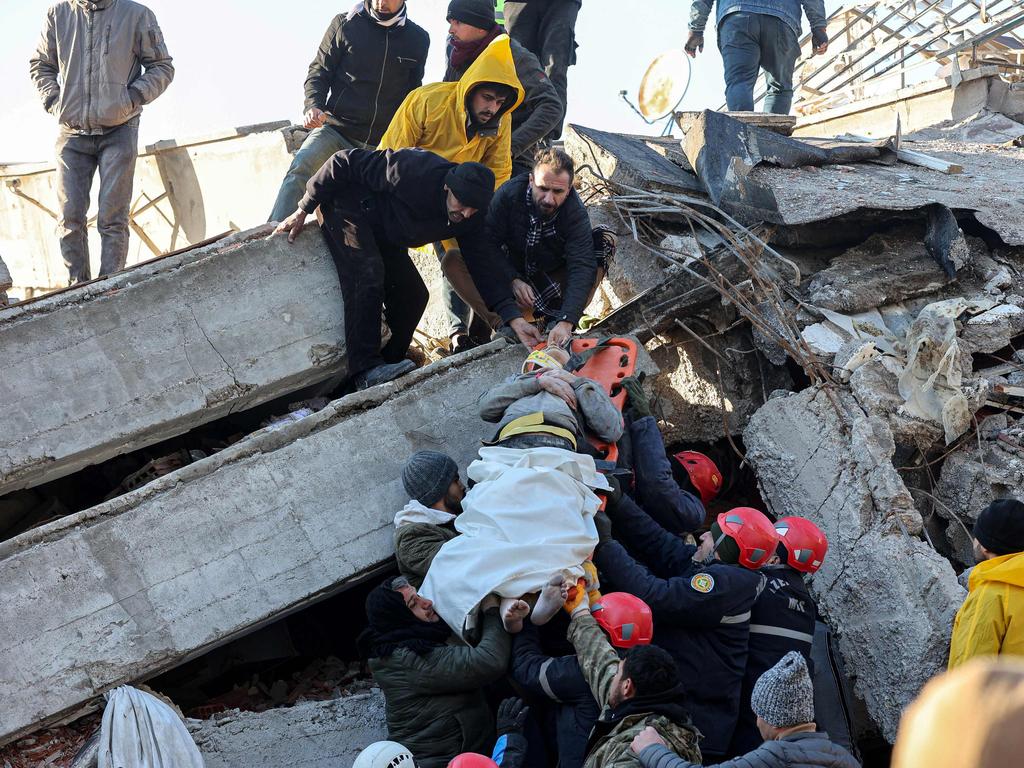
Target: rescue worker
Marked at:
556, 683
470, 119
471, 29
98, 63
783, 701
644, 688
428, 521
701, 598
663, 486
369, 60
375, 206
433, 690
546, 405
783, 617
988, 622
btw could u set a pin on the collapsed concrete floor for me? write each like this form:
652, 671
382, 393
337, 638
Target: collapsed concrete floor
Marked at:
865, 371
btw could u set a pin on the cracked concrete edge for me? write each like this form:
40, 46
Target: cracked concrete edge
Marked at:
262, 441
127, 278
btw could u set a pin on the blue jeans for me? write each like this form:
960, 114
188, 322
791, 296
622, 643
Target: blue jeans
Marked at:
750, 42
317, 149
113, 154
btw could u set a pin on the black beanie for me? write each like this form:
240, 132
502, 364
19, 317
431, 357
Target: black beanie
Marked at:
472, 183
476, 13
1000, 527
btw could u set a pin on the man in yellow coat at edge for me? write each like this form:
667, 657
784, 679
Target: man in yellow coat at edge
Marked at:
470, 119
991, 620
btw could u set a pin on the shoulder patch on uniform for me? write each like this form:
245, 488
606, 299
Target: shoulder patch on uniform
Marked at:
703, 582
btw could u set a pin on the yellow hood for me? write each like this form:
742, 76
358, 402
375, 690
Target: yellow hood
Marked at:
434, 117
494, 65
1006, 569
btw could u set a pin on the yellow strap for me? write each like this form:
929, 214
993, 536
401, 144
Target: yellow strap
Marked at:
531, 424
540, 358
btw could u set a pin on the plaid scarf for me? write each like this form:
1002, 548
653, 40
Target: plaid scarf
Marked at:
548, 291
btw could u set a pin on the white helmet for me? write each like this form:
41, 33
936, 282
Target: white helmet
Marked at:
384, 754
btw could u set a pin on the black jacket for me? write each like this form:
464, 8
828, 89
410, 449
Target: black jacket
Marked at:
782, 620
558, 682
674, 509
508, 223
363, 71
701, 615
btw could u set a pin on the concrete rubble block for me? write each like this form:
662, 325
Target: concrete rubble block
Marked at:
127, 361
889, 596
971, 479
127, 589
318, 734
993, 329
699, 397
875, 384
885, 269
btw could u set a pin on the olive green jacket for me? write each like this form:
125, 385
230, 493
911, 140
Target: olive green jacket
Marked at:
435, 703
599, 663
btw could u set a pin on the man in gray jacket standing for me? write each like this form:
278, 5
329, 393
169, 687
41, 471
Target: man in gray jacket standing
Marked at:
98, 62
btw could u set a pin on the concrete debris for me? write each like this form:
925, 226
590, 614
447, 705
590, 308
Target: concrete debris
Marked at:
277, 524
311, 735
157, 350
884, 269
945, 240
972, 478
5, 282
993, 329
984, 127
890, 597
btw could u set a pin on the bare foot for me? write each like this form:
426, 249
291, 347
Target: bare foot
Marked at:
552, 596
513, 611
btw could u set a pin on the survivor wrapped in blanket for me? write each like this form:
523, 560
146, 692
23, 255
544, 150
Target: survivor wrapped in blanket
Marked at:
529, 515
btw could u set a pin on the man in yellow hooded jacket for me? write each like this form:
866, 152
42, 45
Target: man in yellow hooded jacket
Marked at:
467, 120
991, 620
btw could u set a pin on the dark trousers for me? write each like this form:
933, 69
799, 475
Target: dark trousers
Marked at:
548, 29
373, 273
750, 42
113, 154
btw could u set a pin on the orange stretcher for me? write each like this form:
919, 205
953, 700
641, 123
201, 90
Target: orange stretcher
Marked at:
607, 361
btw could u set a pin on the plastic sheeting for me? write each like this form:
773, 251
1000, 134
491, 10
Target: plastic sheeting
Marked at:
529, 515
140, 731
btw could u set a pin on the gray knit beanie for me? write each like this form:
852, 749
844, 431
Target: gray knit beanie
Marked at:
427, 475
783, 696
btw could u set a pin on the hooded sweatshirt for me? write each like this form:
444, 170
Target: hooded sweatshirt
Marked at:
436, 116
984, 625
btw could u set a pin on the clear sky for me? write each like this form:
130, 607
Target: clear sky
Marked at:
241, 62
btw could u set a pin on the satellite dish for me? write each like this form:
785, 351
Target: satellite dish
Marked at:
664, 85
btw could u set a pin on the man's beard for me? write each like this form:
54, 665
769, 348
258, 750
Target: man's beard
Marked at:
453, 504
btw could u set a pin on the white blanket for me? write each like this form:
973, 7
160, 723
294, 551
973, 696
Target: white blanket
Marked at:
529, 516
140, 731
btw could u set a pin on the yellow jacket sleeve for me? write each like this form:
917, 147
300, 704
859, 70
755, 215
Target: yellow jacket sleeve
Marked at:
498, 156
406, 128
979, 627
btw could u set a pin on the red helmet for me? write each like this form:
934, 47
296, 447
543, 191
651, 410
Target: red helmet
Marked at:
703, 474
805, 543
753, 533
472, 760
625, 618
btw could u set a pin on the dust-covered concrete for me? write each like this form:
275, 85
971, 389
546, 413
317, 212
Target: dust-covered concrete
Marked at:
327, 734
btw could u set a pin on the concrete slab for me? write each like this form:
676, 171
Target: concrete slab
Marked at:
127, 361
321, 734
134, 586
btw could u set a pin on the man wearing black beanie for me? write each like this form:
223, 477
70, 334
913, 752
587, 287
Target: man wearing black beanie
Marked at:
989, 622
376, 205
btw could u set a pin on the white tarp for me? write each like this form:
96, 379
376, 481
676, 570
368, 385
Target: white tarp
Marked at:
140, 731
529, 515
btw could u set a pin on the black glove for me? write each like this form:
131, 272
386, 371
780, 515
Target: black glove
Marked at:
604, 527
639, 405
512, 714
819, 37
614, 496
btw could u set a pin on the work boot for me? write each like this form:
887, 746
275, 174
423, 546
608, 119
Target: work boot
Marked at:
382, 374
460, 342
